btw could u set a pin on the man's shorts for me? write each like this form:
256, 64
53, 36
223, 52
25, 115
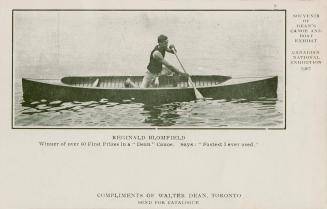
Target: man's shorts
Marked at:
149, 78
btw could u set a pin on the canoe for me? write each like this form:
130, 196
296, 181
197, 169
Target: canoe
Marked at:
113, 88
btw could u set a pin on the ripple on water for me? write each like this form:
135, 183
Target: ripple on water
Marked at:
265, 112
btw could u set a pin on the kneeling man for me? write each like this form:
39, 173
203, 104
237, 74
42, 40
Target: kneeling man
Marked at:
158, 65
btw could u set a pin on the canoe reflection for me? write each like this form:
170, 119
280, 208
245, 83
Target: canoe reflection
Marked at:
262, 112
163, 115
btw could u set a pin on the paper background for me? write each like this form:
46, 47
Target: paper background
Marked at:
287, 168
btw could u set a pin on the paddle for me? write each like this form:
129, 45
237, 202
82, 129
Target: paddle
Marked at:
198, 95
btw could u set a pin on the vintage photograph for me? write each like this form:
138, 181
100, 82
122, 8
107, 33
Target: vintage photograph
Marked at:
149, 68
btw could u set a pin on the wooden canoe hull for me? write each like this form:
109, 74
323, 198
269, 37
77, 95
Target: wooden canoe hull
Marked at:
228, 89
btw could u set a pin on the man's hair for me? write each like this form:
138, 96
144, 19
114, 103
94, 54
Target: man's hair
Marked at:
162, 38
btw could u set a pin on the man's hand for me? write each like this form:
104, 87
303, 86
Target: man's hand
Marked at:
185, 75
172, 48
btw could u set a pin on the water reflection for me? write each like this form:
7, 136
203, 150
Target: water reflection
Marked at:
262, 112
162, 115
34, 107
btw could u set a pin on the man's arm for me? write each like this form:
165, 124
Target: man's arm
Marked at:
158, 56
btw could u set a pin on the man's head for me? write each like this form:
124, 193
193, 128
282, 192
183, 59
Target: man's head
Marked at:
163, 41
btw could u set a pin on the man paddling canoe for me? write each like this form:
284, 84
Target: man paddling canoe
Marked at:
158, 65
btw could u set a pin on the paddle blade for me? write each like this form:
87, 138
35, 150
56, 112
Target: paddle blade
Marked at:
198, 95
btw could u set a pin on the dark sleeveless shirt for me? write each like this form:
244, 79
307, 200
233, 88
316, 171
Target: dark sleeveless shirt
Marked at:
154, 65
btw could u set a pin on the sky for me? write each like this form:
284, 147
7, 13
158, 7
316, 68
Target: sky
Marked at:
64, 43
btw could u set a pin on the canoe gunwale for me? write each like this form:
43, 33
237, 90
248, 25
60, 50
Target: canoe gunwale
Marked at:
34, 89
60, 83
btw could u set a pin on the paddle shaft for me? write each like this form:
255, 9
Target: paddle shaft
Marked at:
198, 95
175, 53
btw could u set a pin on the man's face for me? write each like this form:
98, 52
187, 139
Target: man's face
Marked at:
163, 44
